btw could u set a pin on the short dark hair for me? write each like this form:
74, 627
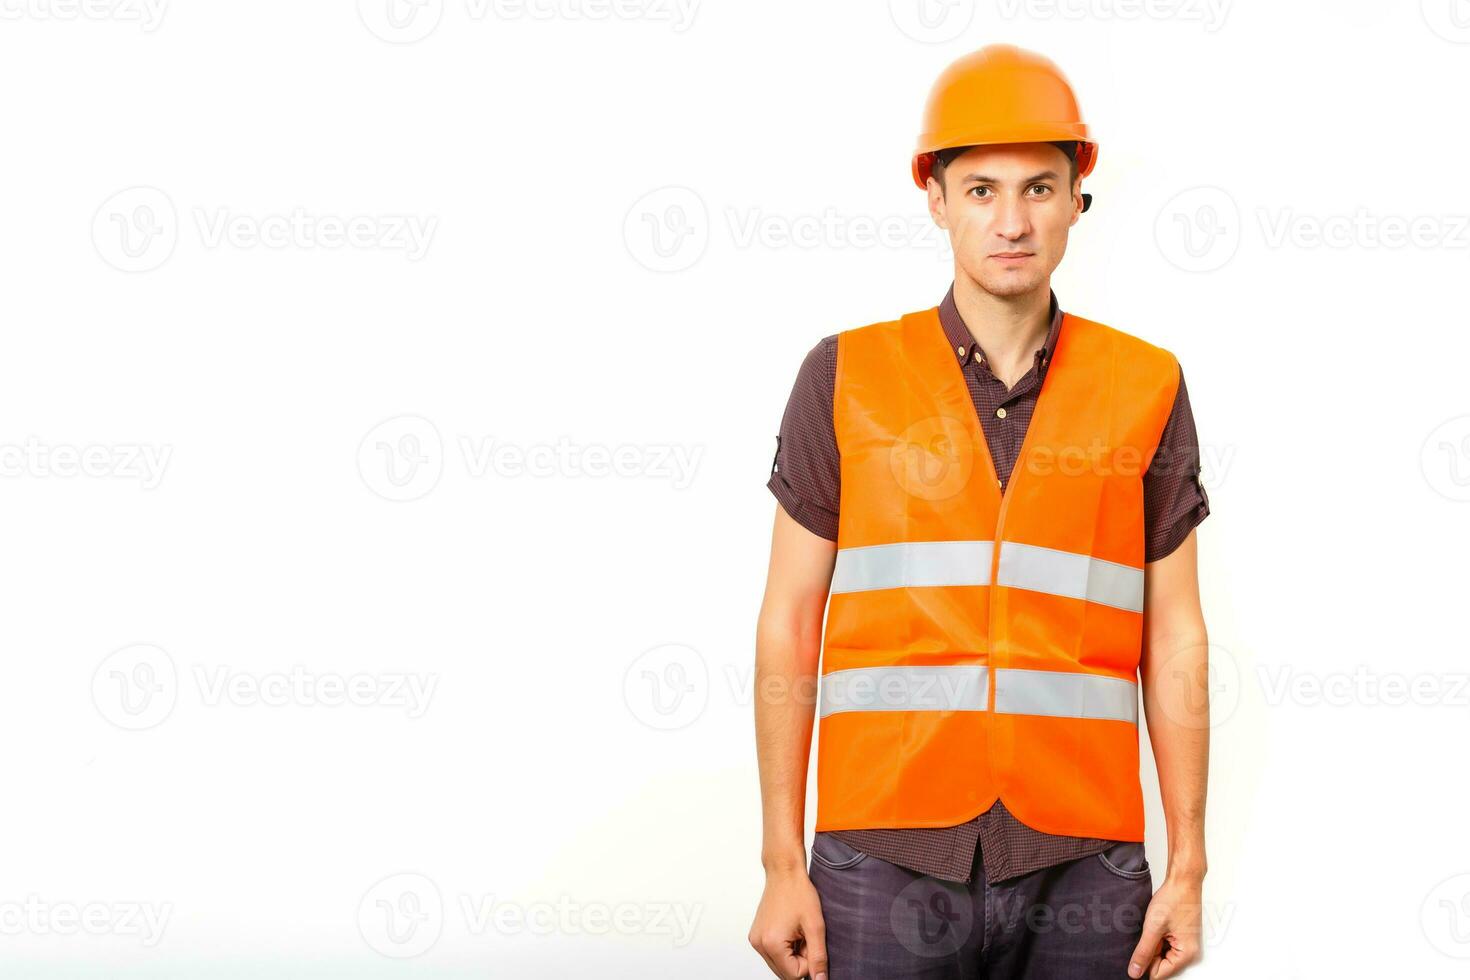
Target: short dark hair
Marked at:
943, 158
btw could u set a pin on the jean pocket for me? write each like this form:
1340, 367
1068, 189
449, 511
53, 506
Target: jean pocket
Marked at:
1125, 859
833, 852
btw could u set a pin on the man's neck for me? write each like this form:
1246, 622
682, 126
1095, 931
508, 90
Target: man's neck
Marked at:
1009, 329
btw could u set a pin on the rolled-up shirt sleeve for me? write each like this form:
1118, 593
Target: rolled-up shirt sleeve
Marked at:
1174, 498
806, 474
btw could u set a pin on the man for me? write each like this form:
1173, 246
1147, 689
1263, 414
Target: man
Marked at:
1000, 500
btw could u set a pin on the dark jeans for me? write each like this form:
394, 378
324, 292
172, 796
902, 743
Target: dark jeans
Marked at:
1077, 920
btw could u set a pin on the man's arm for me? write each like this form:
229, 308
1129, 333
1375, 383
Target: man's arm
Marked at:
1176, 702
788, 929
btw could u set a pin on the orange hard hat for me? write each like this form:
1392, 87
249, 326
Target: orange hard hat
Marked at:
1001, 94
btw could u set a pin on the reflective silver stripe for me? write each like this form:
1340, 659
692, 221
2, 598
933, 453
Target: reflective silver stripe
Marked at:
909, 564
951, 688
1066, 573
1064, 695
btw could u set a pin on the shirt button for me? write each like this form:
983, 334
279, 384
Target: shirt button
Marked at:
1000, 413
960, 351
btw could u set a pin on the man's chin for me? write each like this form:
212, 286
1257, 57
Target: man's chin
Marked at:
1008, 285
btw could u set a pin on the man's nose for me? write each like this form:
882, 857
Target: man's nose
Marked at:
1010, 219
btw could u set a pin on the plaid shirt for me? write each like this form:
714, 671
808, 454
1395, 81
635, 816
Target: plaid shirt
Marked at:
806, 480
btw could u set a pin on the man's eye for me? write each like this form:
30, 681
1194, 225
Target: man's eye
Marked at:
1040, 187
976, 190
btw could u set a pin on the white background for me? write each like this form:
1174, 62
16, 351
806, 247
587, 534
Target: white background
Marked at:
587, 179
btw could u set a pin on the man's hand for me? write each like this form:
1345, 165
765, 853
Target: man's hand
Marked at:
788, 929
1173, 917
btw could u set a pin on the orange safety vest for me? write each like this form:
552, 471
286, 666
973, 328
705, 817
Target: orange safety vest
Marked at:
981, 645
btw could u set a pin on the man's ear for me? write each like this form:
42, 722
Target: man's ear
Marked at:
937, 203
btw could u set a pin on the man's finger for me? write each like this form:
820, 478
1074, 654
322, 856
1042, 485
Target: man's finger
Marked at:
779, 957
1176, 960
1145, 954
816, 949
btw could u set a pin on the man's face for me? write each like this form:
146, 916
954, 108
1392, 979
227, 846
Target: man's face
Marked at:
1007, 208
